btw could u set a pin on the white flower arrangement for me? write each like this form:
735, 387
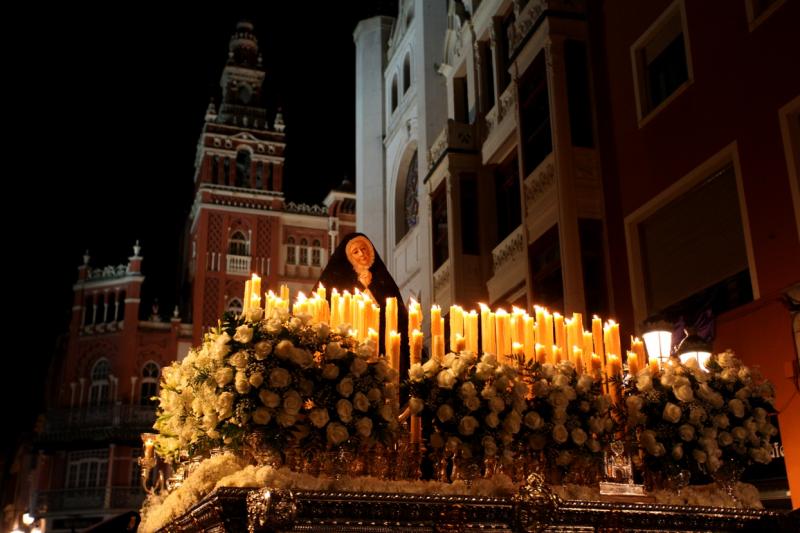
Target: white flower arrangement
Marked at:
687, 418
281, 375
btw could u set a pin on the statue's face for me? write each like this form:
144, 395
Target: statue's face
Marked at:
359, 252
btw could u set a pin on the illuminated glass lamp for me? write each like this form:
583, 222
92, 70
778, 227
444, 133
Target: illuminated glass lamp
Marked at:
693, 346
658, 339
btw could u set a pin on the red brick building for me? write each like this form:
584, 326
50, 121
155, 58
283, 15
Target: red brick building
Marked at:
82, 467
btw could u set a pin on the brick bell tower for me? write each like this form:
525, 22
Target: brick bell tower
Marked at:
234, 225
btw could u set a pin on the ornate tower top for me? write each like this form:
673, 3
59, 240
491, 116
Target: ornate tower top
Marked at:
241, 81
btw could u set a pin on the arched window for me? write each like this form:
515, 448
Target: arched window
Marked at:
394, 94
112, 300
121, 310
291, 257
88, 311
226, 170
237, 244
316, 253
260, 175
149, 388
215, 169
407, 73
243, 168
303, 252
87, 469
98, 392
235, 306
407, 201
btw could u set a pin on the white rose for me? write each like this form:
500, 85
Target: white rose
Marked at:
739, 433
560, 433
274, 326
221, 347
416, 405
541, 388
489, 446
330, 371
699, 456
244, 334
345, 387
261, 416
468, 425
492, 420
256, 379
473, 403
697, 415
374, 395
319, 417
292, 402
467, 390
345, 410
644, 382
686, 432
239, 359
725, 438
512, 422
726, 359
488, 392
484, 371
302, 358
223, 376
225, 405
364, 427
295, 323
431, 367
279, 378
594, 445
496, 404
729, 375
579, 436
335, 351
559, 415
533, 420
558, 399
242, 384
446, 379
683, 393
634, 403
444, 413
361, 402
358, 366
269, 398
672, 413
263, 349
737, 407
584, 383
415, 373
386, 412
286, 419
284, 349
254, 314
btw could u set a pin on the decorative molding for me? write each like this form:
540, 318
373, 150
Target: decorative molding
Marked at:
454, 136
505, 103
528, 17
509, 250
539, 182
441, 278
108, 272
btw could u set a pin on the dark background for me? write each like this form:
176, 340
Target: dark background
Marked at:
105, 111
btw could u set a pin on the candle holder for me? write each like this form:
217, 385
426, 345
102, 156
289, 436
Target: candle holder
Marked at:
618, 470
147, 463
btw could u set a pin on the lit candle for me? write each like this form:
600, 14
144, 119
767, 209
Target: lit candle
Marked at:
614, 335
361, 322
471, 328
456, 325
417, 339
414, 317
517, 348
654, 365
391, 321
437, 347
436, 315
556, 351
558, 324
247, 293
491, 334
597, 334
577, 319
394, 350
285, 294
529, 338
346, 311
255, 289
548, 332
587, 348
484, 327
149, 447
637, 346
501, 325
597, 366
633, 363
460, 343
573, 338
541, 336
577, 356
541, 353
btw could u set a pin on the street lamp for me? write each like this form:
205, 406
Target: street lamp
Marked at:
693, 346
658, 338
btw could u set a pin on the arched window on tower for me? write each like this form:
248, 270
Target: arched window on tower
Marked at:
235, 306
394, 94
303, 252
407, 73
215, 169
121, 310
149, 387
226, 170
407, 203
88, 311
260, 175
98, 391
238, 244
291, 257
243, 168
316, 253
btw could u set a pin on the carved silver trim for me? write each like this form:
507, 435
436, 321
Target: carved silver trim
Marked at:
508, 250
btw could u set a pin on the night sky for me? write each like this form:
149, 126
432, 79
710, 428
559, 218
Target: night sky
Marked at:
106, 110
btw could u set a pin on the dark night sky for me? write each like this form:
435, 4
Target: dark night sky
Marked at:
107, 110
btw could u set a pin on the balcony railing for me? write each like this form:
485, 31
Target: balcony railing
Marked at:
98, 421
93, 498
238, 265
454, 136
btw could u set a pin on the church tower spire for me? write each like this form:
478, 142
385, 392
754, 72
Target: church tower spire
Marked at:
241, 81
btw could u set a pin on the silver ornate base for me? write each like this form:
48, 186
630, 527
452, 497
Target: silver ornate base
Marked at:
535, 508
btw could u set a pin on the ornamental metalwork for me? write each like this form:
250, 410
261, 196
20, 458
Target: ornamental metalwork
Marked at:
411, 202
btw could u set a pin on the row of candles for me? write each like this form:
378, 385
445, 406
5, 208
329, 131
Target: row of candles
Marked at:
544, 337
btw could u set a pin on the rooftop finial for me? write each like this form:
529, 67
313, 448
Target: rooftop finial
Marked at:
279, 124
86, 257
136, 248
